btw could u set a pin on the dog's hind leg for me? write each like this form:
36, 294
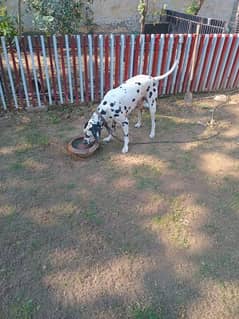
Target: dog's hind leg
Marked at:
152, 110
138, 124
125, 127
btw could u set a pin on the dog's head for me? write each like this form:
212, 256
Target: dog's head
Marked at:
92, 129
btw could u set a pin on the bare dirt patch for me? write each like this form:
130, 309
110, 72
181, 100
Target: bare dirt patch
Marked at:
151, 234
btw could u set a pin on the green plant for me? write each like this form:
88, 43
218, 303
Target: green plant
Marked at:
7, 23
193, 8
142, 10
139, 312
64, 16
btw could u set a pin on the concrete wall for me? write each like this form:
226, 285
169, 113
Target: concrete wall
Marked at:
217, 9
111, 15
123, 15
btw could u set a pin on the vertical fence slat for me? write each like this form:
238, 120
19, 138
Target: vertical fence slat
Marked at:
156, 55
22, 71
151, 54
34, 70
205, 40
188, 43
186, 84
173, 58
80, 68
28, 72
205, 64
177, 56
101, 44
73, 52
63, 69
85, 54
117, 59
42, 84
164, 62
52, 69
58, 72
136, 55
46, 69
68, 63
16, 72
91, 71
127, 53
96, 67
2, 97
161, 50
196, 74
146, 54
141, 58
9, 71
122, 49
131, 66
107, 83
112, 44
180, 64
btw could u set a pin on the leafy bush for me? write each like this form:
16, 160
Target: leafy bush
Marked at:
65, 16
7, 24
193, 8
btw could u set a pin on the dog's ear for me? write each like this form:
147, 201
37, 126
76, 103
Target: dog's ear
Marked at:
96, 131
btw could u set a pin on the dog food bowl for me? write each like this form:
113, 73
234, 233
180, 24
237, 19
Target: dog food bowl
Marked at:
77, 147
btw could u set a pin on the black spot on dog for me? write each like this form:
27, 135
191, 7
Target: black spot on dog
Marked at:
110, 117
117, 111
103, 112
138, 83
138, 91
133, 100
125, 107
105, 102
148, 88
154, 84
125, 123
116, 115
150, 94
154, 90
112, 104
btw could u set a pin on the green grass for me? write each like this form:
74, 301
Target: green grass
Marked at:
91, 214
24, 309
139, 312
34, 137
173, 223
146, 176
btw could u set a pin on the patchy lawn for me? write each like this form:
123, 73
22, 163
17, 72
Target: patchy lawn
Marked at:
148, 235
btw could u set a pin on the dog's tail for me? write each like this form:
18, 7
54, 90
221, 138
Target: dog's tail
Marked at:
160, 77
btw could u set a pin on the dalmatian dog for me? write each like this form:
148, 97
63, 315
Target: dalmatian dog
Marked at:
118, 103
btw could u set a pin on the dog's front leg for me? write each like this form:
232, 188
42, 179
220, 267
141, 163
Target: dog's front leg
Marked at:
125, 127
109, 137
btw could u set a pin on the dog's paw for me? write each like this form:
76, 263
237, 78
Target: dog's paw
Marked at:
125, 149
152, 135
107, 139
137, 125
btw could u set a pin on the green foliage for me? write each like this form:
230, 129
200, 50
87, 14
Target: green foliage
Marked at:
193, 8
65, 16
7, 23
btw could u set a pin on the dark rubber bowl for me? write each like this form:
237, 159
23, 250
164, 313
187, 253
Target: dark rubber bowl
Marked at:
77, 147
